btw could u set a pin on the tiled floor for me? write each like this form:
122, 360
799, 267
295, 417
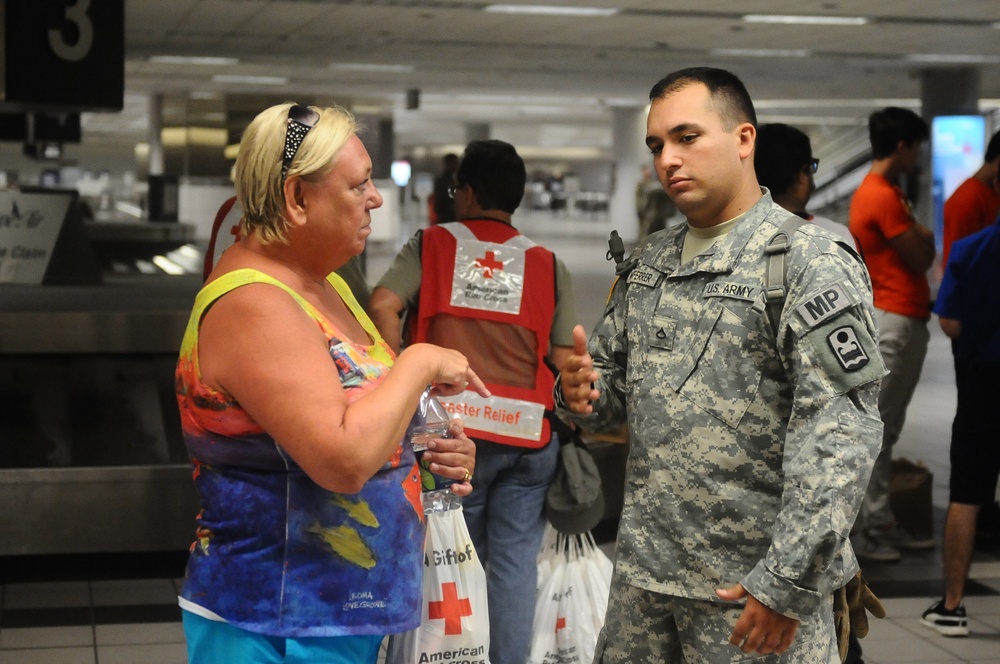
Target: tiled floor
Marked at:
58, 617
92, 621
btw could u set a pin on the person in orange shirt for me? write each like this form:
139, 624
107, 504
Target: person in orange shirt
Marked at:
898, 252
975, 203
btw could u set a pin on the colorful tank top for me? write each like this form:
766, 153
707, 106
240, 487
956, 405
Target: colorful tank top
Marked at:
275, 553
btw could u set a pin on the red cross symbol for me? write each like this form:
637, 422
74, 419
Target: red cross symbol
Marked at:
560, 624
489, 263
451, 609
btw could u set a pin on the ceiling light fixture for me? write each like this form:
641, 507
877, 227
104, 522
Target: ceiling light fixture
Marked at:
787, 19
761, 52
798, 102
551, 10
953, 58
193, 60
366, 109
371, 67
250, 80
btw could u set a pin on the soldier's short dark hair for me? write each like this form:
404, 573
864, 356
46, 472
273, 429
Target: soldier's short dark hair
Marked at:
728, 93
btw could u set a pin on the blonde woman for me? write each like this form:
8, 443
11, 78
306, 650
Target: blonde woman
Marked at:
294, 410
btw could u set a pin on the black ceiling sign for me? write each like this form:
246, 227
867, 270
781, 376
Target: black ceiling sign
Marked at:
67, 54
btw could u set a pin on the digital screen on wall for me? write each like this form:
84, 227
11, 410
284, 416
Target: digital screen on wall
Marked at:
957, 146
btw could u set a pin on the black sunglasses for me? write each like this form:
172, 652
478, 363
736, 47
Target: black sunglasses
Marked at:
300, 121
813, 165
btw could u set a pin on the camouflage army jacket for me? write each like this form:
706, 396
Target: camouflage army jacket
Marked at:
750, 454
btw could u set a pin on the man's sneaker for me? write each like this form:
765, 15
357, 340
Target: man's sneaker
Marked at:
899, 538
950, 622
869, 548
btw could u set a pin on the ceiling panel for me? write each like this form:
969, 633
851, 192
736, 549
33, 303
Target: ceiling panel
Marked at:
461, 54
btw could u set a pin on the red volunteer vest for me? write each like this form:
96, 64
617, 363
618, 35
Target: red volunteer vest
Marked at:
489, 292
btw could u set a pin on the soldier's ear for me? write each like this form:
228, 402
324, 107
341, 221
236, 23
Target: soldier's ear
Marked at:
747, 134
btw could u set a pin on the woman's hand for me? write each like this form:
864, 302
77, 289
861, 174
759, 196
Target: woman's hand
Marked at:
454, 458
450, 370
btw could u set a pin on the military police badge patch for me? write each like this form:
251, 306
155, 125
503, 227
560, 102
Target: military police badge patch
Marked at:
847, 349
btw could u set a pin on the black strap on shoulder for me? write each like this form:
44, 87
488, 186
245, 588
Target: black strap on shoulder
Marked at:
775, 289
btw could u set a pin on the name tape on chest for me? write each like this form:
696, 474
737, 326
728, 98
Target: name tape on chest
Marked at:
731, 290
488, 276
824, 305
644, 275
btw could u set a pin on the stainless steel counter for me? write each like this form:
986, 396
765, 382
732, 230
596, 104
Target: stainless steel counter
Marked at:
132, 314
91, 454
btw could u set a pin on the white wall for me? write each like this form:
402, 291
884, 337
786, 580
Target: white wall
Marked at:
197, 204
386, 219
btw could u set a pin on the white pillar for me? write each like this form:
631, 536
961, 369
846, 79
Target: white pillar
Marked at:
477, 131
630, 154
156, 134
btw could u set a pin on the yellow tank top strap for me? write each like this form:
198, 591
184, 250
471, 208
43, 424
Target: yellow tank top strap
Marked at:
233, 280
380, 350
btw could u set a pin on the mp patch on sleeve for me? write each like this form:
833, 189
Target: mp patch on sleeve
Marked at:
824, 304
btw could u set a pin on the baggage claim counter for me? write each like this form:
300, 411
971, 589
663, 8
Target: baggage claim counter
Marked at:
91, 454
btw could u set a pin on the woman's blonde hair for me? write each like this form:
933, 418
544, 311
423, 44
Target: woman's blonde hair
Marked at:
257, 174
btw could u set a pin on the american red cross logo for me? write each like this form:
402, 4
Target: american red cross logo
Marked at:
560, 624
451, 609
489, 263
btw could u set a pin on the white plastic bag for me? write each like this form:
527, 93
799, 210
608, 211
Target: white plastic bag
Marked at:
571, 602
547, 555
543, 629
455, 621
596, 569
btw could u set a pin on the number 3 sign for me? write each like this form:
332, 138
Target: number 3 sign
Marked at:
64, 54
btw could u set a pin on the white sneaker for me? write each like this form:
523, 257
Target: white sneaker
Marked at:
869, 548
899, 538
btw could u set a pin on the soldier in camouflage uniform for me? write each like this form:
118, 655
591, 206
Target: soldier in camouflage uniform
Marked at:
751, 448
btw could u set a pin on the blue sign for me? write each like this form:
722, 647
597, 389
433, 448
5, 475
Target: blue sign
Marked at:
957, 146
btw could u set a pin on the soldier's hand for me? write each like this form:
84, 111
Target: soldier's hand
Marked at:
578, 377
760, 629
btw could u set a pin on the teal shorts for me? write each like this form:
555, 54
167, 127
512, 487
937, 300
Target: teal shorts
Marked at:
215, 642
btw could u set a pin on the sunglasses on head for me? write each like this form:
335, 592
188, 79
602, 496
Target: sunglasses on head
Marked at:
300, 121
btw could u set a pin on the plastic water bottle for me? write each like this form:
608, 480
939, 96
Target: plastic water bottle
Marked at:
431, 421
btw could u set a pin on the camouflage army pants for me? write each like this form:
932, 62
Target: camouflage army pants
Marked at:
644, 626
